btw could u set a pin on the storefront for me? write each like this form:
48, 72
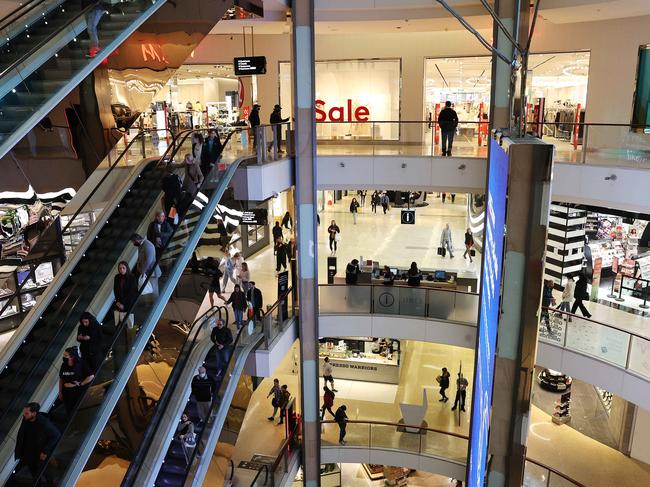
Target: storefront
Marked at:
350, 96
557, 92
363, 358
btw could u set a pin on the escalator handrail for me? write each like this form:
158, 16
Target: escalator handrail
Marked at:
120, 327
25, 55
167, 393
82, 206
35, 3
59, 330
264, 468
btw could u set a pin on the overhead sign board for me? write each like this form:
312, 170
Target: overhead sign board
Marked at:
248, 66
256, 216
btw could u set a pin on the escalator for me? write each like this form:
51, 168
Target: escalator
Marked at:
162, 459
45, 52
31, 369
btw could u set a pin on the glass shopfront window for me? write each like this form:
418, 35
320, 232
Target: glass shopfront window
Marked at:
641, 115
350, 96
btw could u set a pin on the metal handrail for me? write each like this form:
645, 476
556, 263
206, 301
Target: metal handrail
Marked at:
264, 468
120, 327
401, 425
281, 455
278, 302
400, 286
17, 9
556, 472
435, 122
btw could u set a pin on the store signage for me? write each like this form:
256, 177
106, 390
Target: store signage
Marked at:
247, 66
256, 216
488, 313
341, 114
283, 286
595, 278
408, 217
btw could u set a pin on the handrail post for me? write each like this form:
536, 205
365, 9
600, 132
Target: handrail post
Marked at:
260, 137
266, 325
585, 138
277, 131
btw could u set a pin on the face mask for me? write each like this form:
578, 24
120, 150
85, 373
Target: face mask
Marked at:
65, 360
203, 376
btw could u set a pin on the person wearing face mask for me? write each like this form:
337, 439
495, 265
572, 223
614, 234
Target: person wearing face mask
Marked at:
159, 233
221, 336
203, 389
125, 289
146, 265
89, 336
36, 440
74, 377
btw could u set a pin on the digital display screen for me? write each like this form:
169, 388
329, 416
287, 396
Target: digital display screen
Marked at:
257, 216
248, 66
493, 236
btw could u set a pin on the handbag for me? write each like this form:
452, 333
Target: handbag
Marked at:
442, 251
173, 214
148, 288
337, 237
472, 252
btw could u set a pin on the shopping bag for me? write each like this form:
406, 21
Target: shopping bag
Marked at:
337, 237
439, 379
148, 288
442, 251
472, 252
173, 215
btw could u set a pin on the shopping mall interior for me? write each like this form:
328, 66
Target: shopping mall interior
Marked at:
325, 243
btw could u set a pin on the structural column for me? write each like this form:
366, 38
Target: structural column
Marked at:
305, 161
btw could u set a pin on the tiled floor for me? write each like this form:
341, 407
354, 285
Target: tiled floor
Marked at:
354, 475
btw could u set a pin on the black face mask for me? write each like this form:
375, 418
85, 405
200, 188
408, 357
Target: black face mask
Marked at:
65, 360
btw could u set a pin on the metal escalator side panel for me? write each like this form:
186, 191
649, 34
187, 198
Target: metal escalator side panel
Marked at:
94, 430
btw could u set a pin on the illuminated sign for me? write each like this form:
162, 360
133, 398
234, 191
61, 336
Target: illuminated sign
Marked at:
489, 313
339, 114
154, 52
248, 66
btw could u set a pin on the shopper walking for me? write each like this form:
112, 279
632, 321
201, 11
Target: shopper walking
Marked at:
374, 201
203, 390
89, 336
94, 12
192, 181
287, 221
276, 120
579, 295
125, 290
224, 238
327, 373
334, 236
352, 272
74, 377
276, 231
221, 336
547, 302
227, 266
461, 392
237, 300
448, 121
254, 296
445, 240
567, 294
342, 420
328, 402
197, 145
362, 196
172, 187
443, 382
244, 276
211, 151
280, 255
146, 265
185, 435
469, 244
35, 442
354, 209
285, 397
384, 201
254, 122
276, 392
444, 197
212, 268
159, 233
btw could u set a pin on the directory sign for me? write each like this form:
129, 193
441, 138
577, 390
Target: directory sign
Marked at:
247, 66
255, 216
486, 339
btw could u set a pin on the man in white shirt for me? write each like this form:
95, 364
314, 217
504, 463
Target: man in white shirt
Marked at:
327, 373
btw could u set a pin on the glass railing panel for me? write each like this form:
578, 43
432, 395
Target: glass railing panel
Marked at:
556, 480
442, 445
441, 304
607, 144
394, 437
599, 341
465, 308
357, 434
535, 476
412, 301
276, 320
386, 299
345, 299
640, 356
553, 327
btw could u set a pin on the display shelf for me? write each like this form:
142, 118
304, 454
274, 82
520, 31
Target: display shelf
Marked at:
607, 250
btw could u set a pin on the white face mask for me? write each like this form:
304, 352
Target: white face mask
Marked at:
203, 376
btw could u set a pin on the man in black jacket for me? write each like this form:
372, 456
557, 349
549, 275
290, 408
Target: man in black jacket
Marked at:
36, 440
159, 233
342, 419
254, 296
172, 187
254, 121
448, 120
211, 151
352, 272
89, 336
203, 389
276, 119
221, 336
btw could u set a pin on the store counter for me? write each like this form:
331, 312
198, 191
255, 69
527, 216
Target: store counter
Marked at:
362, 365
